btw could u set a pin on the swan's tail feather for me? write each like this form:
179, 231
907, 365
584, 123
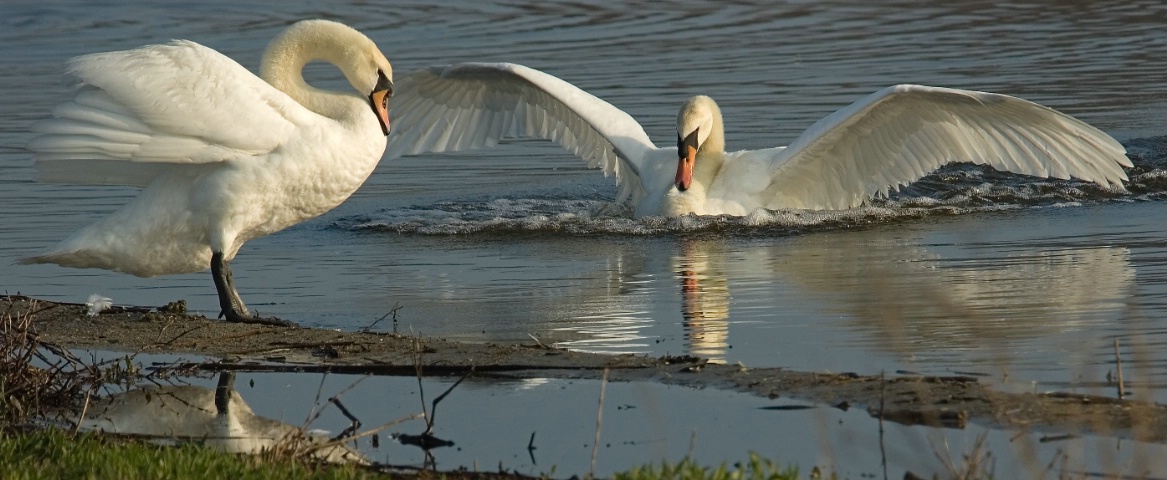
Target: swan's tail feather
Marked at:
148, 263
65, 259
91, 258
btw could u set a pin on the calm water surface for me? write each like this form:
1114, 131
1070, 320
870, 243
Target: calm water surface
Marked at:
493, 422
1024, 281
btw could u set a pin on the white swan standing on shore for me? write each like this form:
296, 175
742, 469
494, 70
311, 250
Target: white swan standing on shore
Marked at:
224, 155
879, 143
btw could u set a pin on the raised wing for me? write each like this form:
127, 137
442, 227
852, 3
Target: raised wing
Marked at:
474, 105
179, 103
901, 133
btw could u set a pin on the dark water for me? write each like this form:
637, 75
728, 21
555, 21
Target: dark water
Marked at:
1026, 281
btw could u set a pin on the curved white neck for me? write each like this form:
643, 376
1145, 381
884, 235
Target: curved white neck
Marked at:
707, 166
711, 152
711, 155
284, 60
715, 143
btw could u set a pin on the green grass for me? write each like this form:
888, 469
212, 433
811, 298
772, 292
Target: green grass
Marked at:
56, 454
48, 454
757, 468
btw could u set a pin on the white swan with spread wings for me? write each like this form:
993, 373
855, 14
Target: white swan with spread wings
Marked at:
879, 143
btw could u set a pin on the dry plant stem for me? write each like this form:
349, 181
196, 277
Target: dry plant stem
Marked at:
599, 423
392, 311
335, 400
1118, 362
429, 415
946, 458
366, 433
434, 406
542, 345
176, 337
416, 344
316, 409
977, 463
84, 410
352, 386
29, 391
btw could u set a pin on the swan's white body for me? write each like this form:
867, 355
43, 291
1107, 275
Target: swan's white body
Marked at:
886, 140
224, 155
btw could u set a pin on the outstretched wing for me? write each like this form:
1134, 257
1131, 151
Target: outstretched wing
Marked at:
159, 105
903, 132
474, 105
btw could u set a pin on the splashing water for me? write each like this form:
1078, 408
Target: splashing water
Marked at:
953, 190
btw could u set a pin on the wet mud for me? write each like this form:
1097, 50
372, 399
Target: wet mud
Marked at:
951, 402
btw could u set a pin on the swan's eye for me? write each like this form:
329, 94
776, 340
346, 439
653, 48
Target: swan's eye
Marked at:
384, 83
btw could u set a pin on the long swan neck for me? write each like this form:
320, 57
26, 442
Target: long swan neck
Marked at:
711, 155
715, 144
284, 60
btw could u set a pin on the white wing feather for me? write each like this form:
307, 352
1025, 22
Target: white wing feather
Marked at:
178, 103
475, 105
901, 133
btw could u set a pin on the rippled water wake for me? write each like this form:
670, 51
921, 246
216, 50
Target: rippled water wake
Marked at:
952, 190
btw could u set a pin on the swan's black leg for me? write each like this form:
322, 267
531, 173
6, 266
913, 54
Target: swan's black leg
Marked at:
229, 299
223, 392
233, 309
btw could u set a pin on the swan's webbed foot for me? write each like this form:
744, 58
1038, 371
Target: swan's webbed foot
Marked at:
233, 309
236, 317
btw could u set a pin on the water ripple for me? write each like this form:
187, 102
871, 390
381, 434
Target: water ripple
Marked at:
954, 190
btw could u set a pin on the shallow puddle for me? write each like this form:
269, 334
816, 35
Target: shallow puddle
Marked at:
537, 426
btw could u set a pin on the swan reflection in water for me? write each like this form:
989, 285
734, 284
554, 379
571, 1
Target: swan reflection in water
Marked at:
216, 416
902, 297
916, 295
909, 299
617, 304
704, 298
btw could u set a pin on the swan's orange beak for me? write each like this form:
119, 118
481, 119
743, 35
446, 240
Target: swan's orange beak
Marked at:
687, 157
379, 100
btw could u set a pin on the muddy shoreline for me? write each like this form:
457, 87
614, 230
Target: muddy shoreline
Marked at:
951, 402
